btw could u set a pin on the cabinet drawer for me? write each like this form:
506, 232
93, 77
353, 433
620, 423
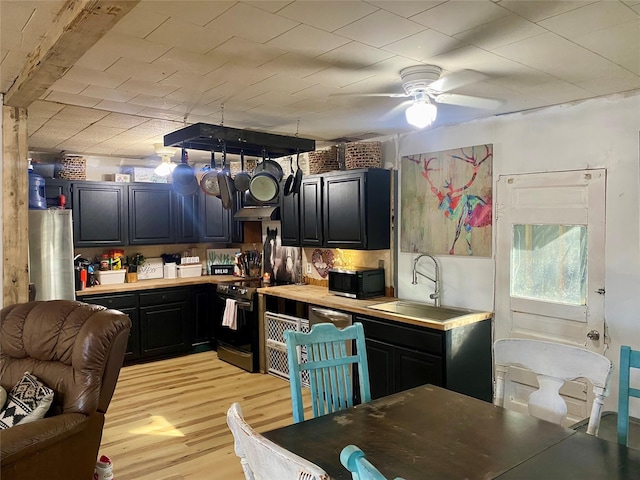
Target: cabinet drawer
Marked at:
417, 338
163, 296
113, 301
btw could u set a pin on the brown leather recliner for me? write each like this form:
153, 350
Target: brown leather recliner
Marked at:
77, 350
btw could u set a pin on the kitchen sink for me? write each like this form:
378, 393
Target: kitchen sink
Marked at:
426, 311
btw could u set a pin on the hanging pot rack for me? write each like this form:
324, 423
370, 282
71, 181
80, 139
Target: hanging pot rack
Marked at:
205, 136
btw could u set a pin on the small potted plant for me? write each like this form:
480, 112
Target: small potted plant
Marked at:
132, 268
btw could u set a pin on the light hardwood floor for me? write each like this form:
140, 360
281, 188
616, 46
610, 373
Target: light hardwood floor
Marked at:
167, 419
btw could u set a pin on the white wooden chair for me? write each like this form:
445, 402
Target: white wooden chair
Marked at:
262, 459
554, 364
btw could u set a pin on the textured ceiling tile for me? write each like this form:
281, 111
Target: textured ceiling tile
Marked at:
244, 52
308, 41
127, 46
94, 77
454, 17
72, 99
380, 28
501, 31
73, 113
354, 55
177, 33
136, 87
325, 16
620, 82
338, 77
119, 107
112, 94
537, 10
119, 120
286, 84
251, 23
407, 8
140, 70
44, 109
196, 12
295, 65
589, 18
140, 21
155, 102
97, 133
189, 62
68, 86
425, 44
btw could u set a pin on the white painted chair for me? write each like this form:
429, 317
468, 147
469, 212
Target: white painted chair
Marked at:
262, 459
554, 364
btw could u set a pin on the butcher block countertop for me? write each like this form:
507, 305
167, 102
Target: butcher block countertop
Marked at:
155, 283
316, 295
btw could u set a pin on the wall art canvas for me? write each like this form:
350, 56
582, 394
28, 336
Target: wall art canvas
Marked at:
446, 202
284, 264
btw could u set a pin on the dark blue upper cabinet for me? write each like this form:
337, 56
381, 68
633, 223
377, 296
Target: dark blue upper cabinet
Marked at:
187, 218
99, 214
151, 214
215, 220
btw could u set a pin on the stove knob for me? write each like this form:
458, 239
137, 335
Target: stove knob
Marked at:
242, 291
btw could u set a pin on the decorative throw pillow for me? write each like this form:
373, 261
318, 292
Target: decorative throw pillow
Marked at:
3, 397
28, 400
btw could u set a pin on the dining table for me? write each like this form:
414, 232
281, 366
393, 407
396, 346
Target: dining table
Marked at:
429, 432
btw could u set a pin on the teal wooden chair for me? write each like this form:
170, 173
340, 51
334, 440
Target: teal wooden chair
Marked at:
329, 363
354, 460
628, 359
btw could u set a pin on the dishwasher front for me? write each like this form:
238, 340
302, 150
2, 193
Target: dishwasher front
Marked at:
323, 315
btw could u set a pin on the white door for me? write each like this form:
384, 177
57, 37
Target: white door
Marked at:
550, 268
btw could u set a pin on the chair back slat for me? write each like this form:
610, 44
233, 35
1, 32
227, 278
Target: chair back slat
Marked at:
628, 359
554, 364
330, 365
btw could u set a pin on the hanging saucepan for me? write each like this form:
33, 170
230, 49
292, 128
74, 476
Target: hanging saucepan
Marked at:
265, 184
288, 184
298, 178
225, 183
183, 179
209, 181
243, 179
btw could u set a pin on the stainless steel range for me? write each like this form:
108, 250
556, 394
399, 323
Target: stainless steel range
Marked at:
239, 346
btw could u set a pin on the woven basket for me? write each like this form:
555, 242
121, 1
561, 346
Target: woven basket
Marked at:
363, 155
321, 161
71, 168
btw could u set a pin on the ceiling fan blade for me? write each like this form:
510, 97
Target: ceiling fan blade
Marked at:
390, 95
456, 80
468, 101
395, 111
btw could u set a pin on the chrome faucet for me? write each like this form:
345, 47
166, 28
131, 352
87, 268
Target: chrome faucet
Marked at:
435, 296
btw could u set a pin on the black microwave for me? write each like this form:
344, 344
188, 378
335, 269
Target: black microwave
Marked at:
357, 282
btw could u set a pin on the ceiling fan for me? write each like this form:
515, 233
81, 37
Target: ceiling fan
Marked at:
425, 85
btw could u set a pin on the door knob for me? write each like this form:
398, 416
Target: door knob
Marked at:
593, 335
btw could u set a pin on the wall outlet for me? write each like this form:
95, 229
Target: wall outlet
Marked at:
308, 267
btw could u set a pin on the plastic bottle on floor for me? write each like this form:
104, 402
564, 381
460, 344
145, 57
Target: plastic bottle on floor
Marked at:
104, 469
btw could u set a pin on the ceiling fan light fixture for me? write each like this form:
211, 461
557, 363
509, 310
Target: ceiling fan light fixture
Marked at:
421, 113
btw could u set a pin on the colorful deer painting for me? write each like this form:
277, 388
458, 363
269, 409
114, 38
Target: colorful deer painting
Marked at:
459, 182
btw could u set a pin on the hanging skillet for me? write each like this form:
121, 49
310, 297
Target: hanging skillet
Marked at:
298, 178
288, 184
209, 181
183, 179
243, 179
264, 185
227, 189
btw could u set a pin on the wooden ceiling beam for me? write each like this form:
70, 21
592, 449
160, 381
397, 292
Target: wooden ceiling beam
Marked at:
78, 26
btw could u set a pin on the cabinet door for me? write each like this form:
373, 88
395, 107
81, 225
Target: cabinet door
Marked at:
133, 345
311, 212
163, 329
187, 218
214, 220
53, 188
344, 211
151, 214
381, 372
99, 214
290, 220
413, 368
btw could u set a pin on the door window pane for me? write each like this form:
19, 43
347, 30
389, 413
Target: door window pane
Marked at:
549, 263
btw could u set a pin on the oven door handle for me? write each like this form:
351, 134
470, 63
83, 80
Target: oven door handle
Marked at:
243, 304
